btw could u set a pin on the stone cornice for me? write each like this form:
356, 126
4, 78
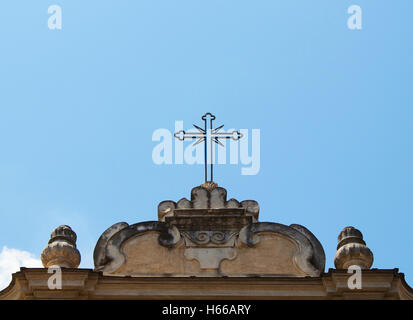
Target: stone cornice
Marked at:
88, 284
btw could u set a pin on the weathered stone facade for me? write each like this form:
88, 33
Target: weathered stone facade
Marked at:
89, 284
208, 236
208, 248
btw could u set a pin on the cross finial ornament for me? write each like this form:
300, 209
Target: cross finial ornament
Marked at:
208, 136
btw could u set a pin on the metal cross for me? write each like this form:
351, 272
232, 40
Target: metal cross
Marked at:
205, 135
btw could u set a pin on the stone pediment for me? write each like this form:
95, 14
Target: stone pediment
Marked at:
205, 198
208, 236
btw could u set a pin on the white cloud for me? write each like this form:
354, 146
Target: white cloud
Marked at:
10, 262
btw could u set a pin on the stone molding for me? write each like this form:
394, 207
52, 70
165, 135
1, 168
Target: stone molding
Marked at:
202, 198
108, 255
86, 284
310, 258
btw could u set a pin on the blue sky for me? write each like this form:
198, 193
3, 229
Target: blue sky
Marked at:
78, 107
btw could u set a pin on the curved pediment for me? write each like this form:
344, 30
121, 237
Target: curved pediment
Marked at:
158, 249
209, 236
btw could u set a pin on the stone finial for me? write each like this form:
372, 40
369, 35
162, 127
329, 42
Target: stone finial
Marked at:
352, 250
61, 250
